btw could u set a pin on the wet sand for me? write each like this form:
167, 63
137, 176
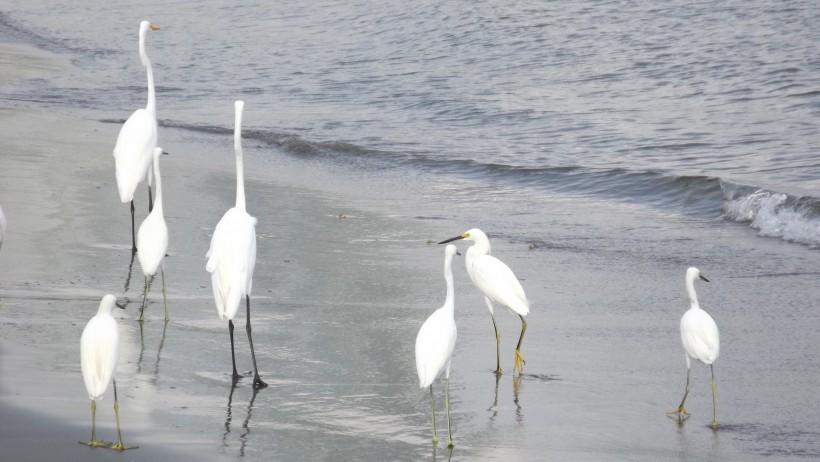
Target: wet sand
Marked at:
336, 307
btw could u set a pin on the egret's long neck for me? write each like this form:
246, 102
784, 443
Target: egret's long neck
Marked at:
151, 107
690, 290
158, 184
449, 302
240, 171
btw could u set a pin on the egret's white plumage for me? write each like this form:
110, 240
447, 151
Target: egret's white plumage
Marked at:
99, 355
700, 338
137, 138
436, 342
152, 238
232, 255
498, 284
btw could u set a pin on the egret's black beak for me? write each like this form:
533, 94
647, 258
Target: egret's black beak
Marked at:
120, 306
701, 276
452, 239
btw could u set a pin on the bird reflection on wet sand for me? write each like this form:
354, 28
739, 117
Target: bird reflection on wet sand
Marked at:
130, 271
155, 375
244, 436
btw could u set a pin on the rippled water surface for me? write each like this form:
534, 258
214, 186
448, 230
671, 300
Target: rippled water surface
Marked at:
603, 146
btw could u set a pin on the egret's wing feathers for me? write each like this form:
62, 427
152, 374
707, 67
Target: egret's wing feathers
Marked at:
133, 152
435, 344
497, 281
231, 260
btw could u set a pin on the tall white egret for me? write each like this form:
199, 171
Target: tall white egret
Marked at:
701, 340
137, 140
232, 255
152, 240
2, 227
499, 285
435, 344
99, 355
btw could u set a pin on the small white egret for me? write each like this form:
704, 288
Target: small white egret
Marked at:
137, 140
232, 255
498, 284
99, 355
435, 344
2, 227
701, 340
152, 240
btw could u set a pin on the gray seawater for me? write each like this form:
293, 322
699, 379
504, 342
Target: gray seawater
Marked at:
624, 140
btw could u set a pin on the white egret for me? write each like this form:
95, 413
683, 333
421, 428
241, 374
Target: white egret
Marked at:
435, 343
701, 340
99, 355
2, 227
499, 285
152, 239
232, 255
137, 140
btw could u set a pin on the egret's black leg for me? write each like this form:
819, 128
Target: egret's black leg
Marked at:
257, 382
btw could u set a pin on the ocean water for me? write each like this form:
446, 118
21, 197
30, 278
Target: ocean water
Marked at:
603, 146
693, 108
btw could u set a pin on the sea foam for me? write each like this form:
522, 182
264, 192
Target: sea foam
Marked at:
775, 214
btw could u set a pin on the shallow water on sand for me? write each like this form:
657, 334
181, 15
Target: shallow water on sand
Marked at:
337, 303
601, 162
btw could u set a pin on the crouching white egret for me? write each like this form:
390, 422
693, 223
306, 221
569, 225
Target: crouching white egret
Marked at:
232, 255
435, 343
152, 240
498, 284
137, 139
99, 355
701, 340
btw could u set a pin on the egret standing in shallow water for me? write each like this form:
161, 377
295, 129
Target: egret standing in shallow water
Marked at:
435, 344
99, 355
701, 340
152, 240
137, 140
498, 284
232, 255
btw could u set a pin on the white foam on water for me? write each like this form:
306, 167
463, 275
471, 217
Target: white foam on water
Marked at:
776, 214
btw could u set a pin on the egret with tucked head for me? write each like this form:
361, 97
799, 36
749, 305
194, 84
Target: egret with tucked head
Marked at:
99, 355
435, 344
133, 152
701, 340
498, 284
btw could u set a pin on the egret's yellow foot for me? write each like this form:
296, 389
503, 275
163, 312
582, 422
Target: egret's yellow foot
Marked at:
714, 425
121, 447
450, 443
435, 440
97, 444
681, 412
519, 362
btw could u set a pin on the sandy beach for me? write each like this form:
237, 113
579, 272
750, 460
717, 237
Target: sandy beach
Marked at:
68, 244
343, 281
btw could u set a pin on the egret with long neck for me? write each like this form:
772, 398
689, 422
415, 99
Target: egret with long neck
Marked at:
137, 140
701, 341
435, 344
499, 285
232, 256
152, 240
